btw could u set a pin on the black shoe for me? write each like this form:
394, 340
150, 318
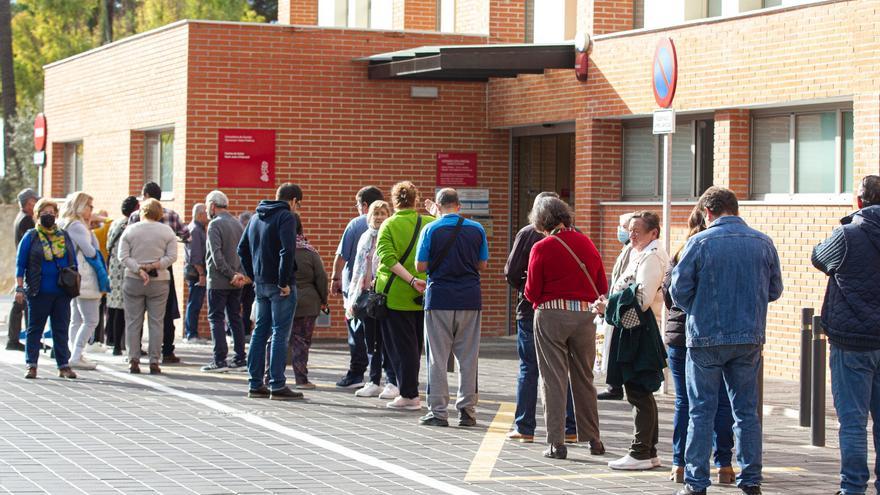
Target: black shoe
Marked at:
117, 352
597, 448
14, 346
751, 490
213, 367
349, 381
259, 393
431, 420
170, 359
285, 394
556, 452
466, 420
611, 393
236, 364
687, 490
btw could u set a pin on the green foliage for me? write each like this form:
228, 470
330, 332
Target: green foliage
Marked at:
20, 169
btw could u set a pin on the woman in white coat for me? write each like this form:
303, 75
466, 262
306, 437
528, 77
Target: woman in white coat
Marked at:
84, 309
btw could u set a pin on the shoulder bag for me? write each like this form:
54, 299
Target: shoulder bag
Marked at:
68, 277
375, 304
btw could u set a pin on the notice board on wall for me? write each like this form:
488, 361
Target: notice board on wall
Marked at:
456, 169
246, 158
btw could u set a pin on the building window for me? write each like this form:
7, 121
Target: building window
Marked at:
73, 167
807, 152
692, 161
771, 3
550, 21
159, 159
713, 8
446, 16
373, 14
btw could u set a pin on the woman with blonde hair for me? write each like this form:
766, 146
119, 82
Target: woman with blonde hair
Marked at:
403, 328
43, 253
146, 248
76, 217
363, 276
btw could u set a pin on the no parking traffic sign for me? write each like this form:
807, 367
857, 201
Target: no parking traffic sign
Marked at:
665, 73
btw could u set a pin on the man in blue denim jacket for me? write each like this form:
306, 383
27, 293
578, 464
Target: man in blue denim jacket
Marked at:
851, 318
724, 281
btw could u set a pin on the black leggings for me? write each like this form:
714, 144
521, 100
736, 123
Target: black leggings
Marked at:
115, 327
403, 333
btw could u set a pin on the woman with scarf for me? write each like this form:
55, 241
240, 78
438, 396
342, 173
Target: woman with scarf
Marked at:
42, 253
311, 293
362, 278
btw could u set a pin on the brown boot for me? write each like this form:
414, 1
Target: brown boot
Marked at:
154, 369
134, 367
66, 373
31, 372
677, 474
726, 476
597, 448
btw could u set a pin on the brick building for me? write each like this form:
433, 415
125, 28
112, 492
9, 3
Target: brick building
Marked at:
777, 99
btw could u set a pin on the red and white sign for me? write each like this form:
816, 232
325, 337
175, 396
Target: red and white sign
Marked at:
456, 169
246, 158
40, 132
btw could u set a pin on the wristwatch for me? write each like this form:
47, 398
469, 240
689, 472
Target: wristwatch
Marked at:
19, 289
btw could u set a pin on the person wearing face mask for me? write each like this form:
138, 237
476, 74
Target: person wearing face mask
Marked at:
615, 392
363, 276
42, 253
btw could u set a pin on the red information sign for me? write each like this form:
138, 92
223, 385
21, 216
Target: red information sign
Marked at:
456, 169
40, 132
246, 158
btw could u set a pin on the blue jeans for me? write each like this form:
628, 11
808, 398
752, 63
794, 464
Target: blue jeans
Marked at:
274, 319
707, 368
40, 309
224, 305
193, 309
723, 438
357, 348
527, 383
855, 384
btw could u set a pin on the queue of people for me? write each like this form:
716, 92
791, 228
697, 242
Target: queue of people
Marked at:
410, 284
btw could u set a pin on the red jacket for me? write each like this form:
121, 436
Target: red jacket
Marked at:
554, 274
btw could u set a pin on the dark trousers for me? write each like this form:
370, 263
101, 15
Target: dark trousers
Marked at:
42, 308
115, 328
404, 334
18, 312
646, 430
172, 312
193, 309
99, 334
357, 348
377, 354
299, 346
247, 302
224, 305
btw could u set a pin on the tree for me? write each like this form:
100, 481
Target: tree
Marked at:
267, 9
7, 76
21, 171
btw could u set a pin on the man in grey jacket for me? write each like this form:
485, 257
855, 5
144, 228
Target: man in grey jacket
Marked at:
225, 280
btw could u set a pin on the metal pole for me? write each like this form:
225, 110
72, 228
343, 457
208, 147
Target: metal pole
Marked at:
806, 365
817, 428
667, 221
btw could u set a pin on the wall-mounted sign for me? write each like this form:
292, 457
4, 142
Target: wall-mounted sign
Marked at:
246, 158
664, 121
456, 169
40, 132
474, 201
664, 72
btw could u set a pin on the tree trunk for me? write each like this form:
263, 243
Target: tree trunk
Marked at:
7, 77
107, 12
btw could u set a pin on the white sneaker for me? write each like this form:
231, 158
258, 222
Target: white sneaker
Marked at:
96, 348
405, 404
656, 462
627, 463
368, 390
390, 392
82, 364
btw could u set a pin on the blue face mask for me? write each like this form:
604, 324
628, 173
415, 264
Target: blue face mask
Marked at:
622, 235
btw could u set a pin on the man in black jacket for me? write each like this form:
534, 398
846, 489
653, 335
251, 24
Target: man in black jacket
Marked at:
527, 381
24, 221
851, 318
267, 257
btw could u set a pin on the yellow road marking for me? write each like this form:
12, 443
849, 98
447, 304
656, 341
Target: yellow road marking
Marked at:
484, 461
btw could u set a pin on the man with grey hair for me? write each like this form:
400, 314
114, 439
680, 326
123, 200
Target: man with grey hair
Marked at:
225, 280
24, 221
453, 251
194, 271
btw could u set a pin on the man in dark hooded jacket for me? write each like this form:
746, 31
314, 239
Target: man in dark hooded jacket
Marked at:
851, 318
267, 251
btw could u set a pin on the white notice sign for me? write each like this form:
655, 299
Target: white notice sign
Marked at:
664, 121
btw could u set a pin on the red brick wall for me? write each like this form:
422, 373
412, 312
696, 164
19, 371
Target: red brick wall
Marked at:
610, 16
507, 21
420, 15
732, 150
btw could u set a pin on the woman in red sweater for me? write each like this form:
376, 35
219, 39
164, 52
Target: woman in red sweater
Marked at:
565, 277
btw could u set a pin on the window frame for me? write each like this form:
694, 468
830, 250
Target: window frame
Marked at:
73, 181
167, 194
839, 193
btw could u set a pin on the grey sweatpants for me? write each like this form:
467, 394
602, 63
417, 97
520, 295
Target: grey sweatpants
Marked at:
457, 332
138, 298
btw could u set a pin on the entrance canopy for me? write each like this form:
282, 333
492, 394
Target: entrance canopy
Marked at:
470, 62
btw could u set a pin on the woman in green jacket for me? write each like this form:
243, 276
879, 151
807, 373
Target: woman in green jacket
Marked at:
403, 327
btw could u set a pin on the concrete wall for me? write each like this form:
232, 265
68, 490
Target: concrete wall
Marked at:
7, 248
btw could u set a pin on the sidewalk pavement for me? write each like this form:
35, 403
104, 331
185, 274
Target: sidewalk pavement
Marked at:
190, 432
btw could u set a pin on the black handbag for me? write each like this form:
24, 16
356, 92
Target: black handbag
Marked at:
375, 304
69, 278
191, 274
